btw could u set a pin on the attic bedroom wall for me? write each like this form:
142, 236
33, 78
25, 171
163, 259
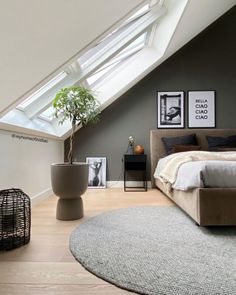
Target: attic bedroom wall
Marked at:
25, 163
207, 62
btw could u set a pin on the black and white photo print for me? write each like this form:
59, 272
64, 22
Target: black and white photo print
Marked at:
97, 172
170, 109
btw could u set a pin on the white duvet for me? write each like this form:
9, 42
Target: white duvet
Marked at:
196, 174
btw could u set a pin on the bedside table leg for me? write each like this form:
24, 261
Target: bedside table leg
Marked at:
124, 180
145, 180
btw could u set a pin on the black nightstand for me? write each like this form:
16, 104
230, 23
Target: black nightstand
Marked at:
137, 164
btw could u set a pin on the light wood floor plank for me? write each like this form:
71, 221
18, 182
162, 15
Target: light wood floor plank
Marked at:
27, 289
46, 266
46, 273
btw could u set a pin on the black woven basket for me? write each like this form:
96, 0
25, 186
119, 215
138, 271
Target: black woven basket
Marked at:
15, 219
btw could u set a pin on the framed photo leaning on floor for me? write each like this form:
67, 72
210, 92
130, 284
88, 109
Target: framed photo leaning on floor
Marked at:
97, 172
170, 109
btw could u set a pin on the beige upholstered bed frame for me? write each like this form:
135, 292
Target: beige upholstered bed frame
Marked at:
207, 206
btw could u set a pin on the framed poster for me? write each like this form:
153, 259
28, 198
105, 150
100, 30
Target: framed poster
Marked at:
201, 109
97, 172
170, 109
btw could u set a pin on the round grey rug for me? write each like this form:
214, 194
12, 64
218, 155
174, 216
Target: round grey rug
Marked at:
157, 250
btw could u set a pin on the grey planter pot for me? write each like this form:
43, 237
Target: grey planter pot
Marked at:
69, 182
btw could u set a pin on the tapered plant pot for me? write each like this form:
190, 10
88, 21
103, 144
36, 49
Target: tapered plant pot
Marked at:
69, 182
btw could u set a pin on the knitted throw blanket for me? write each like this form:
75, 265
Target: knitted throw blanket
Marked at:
174, 161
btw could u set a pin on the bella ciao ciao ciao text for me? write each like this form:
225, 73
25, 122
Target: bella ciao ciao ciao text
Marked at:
201, 109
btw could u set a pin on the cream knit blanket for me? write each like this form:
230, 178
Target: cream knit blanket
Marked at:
174, 161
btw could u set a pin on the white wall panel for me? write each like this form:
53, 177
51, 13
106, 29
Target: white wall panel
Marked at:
25, 162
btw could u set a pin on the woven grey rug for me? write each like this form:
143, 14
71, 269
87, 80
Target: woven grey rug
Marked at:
157, 250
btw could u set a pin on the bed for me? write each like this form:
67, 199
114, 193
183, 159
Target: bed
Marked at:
207, 206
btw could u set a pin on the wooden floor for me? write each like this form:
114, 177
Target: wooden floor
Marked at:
46, 266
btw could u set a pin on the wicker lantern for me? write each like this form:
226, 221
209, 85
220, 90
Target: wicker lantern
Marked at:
15, 219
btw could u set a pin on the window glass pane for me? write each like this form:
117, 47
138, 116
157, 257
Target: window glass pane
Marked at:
42, 90
137, 44
127, 52
48, 113
99, 73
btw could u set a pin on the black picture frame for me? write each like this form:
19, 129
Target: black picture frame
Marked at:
97, 172
170, 109
201, 109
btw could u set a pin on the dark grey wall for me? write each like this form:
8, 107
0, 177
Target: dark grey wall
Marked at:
207, 62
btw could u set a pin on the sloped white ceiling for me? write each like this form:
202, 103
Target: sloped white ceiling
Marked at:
197, 16
37, 36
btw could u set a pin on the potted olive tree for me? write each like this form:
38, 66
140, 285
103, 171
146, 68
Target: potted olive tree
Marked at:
70, 180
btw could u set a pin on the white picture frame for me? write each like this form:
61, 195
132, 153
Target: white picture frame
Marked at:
201, 109
97, 172
170, 109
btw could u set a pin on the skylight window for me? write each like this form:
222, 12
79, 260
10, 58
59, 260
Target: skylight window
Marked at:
108, 67
99, 67
92, 60
42, 90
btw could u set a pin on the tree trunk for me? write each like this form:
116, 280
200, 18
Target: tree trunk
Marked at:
70, 154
